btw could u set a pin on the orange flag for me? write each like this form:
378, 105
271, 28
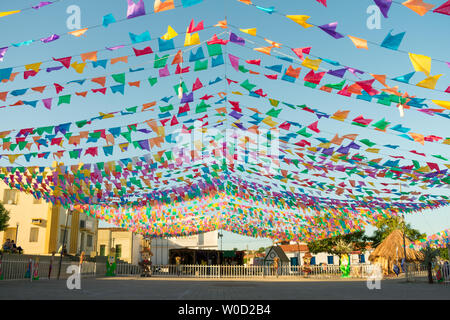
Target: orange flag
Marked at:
89, 56
163, 6
359, 43
418, 6
118, 59
222, 24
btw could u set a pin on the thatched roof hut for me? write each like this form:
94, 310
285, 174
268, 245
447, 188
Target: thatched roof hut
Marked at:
391, 252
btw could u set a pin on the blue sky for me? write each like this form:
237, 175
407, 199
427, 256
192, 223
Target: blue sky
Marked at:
424, 35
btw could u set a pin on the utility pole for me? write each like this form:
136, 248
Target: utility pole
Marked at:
404, 232
63, 244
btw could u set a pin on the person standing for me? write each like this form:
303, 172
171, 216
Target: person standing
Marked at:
178, 263
275, 265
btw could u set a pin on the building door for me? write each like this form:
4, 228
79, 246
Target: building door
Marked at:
294, 261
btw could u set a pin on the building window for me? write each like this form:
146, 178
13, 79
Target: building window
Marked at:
102, 250
118, 251
34, 234
330, 260
10, 196
362, 258
89, 240
313, 261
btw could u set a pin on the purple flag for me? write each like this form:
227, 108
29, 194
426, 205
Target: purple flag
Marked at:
187, 98
47, 103
115, 48
54, 68
331, 30
144, 144
343, 150
41, 4
50, 39
234, 61
354, 145
338, 73
2, 52
135, 9
328, 151
235, 114
354, 71
235, 39
384, 6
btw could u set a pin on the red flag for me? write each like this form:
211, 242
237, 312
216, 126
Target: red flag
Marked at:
197, 85
192, 29
64, 61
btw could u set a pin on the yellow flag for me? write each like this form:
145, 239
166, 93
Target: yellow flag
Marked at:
421, 63
33, 66
442, 103
312, 64
191, 39
7, 13
170, 34
79, 67
373, 150
359, 43
270, 122
251, 31
429, 82
301, 20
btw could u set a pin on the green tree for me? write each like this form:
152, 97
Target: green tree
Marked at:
387, 225
443, 253
4, 217
340, 245
261, 250
430, 257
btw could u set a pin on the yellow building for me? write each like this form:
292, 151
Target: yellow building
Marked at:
126, 244
38, 227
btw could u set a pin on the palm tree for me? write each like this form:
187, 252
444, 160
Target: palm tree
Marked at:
430, 257
342, 247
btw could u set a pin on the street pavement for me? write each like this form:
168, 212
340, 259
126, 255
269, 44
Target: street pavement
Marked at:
123, 288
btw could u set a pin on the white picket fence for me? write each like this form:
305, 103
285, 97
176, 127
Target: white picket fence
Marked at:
229, 271
17, 269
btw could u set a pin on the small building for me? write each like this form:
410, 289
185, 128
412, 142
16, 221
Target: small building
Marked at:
41, 228
276, 252
207, 257
161, 246
127, 244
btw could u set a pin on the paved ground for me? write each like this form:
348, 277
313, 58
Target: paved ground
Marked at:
198, 289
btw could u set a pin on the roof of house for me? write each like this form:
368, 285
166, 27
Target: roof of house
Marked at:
280, 253
294, 247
